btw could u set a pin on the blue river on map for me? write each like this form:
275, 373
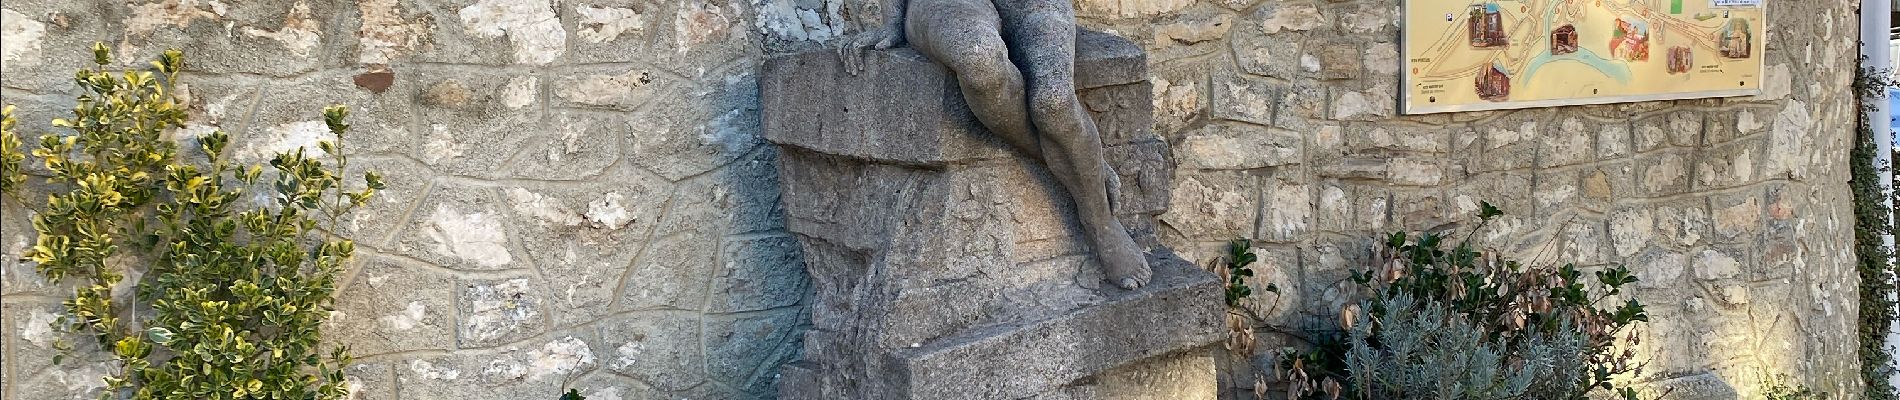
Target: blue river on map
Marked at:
1613, 69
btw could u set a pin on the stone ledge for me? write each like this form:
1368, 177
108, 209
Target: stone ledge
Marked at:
1104, 60
1179, 311
900, 109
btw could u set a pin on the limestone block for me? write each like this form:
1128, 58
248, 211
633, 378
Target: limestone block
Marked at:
1420, 209
1213, 205
1568, 144
740, 198
1376, 139
30, 349
1508, 145
1275, 56
662, 349
1334, 209
493, 33
370, 380
1171, 377
18, 275
289, 113
1341, 60
273, 38
1705, 386
1663, 173
1287, 212
461, 227
612, 31
1103, 59
690, 132
1614, 141
698, 36
580, 146
758, 274
813, 107
1129, 326
1247, 100
1145, 174
390, 307
469, 126
529, 370
375, 223
1736, 217
672, 272
945, 265
612, 86
582, 236
1730, 165
739, 347
1236, 146
496, 311
1123, 113
1181, 95
47, 41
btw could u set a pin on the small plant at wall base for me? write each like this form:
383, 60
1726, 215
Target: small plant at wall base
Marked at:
1235, 270
1239, 259
226, 303
1873, 258
1444, 321
1777, 389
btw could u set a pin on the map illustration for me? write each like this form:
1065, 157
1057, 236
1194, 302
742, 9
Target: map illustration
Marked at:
1469, 55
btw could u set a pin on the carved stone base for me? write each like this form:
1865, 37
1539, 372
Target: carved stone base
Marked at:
949, 267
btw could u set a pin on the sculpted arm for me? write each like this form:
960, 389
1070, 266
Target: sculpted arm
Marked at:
892, 34
879, 38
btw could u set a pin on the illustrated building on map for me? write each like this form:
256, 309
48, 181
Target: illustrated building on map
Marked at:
1680, 60
1631, 40
1486, 26
1563, 40
1737, 40
1494, 84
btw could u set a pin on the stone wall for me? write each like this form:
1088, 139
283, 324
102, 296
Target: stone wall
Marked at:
580, 197
1733, 212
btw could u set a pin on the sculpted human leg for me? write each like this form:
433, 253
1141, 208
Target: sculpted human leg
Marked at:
1042, 38
1037, 111
966, 37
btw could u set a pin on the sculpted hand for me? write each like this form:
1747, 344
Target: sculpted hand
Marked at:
876, 39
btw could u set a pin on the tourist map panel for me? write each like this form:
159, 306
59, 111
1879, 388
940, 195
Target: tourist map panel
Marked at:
1468, 55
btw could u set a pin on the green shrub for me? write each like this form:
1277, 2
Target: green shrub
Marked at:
1878, 311
1445, 321
1425, 350
228, 302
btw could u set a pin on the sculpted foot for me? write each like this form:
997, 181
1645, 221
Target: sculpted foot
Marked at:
1123, 261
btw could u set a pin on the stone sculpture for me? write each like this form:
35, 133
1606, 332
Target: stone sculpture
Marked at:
1015, 63
947, 264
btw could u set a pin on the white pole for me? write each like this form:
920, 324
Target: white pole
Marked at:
1877, 52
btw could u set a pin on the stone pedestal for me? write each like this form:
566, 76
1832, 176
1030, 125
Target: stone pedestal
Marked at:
950, 267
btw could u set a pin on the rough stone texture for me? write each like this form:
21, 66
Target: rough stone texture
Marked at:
1704, 386
946, 265
1170, 377
1271, 132
556, 170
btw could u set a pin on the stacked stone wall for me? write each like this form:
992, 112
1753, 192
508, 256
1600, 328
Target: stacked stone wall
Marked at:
580, 197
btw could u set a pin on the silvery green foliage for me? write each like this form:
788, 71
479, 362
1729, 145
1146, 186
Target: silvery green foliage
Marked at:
1424, 351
